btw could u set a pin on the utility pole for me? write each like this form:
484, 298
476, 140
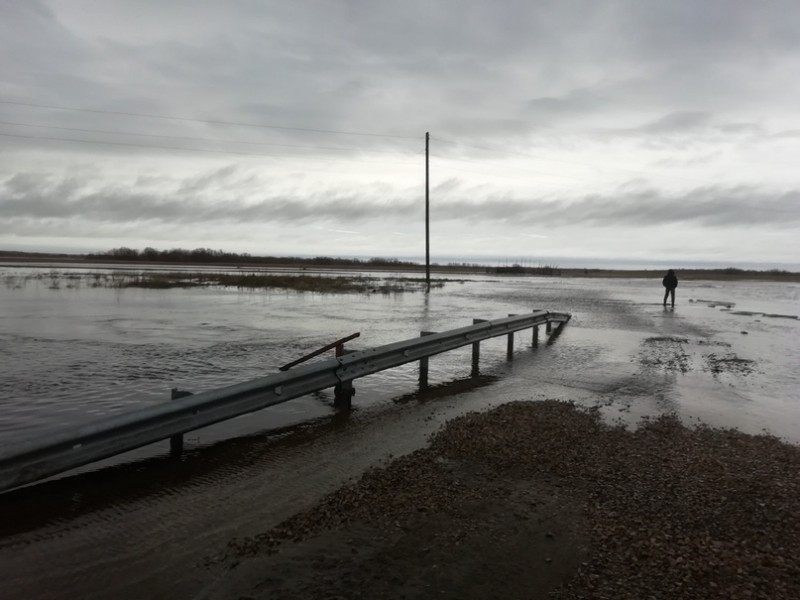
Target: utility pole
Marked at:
427, 217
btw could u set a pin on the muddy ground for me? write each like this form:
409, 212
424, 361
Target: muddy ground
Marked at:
544, 500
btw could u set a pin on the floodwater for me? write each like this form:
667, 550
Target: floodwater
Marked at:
71, 352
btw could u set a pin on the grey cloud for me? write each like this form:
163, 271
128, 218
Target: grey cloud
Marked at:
683, 127
22, 196
575, 102
362, 64
743, 128
708, 207
693, 161
638, 85
37, 51
711, 207
704, 207
788, 134
679, 121
202, 182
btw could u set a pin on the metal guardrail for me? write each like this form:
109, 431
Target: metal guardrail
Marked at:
117, 434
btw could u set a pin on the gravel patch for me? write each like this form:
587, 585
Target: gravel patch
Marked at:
728, 363
544, 500
666, 353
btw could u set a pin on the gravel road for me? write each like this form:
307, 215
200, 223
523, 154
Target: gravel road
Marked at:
544, 500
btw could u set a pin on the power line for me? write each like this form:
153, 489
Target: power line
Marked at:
131, 145
194, 139
127, 144
209, 121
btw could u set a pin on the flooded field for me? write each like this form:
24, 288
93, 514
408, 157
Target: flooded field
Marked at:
726, 355
73, 350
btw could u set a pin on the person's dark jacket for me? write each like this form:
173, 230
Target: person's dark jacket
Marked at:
670, 281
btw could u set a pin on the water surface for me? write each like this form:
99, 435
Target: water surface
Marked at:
72, 353
151, 526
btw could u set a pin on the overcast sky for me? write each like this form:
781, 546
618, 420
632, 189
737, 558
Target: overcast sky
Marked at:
561, 132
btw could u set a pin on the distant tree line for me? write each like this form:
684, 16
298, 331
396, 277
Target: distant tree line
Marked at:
515, 269
207, 255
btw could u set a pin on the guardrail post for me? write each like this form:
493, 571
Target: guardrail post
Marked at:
556, 332
535, 336
510, 344
343, 391
549, 327
476, 352
176, 441
423, 364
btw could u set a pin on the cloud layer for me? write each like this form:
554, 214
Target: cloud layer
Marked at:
203, 201
207, 121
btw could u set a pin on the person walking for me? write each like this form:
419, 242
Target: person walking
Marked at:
670, 282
